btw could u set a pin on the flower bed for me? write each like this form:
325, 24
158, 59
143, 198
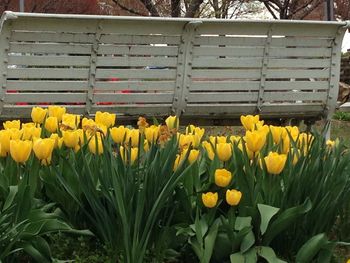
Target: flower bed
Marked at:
154, 194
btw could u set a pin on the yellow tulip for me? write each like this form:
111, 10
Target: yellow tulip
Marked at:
255, 140
43, 148
295, 153
55, 137
249, 122
16, 134
191, 129
70, 138
38, 114
277, 133
20, 150
235, 139
233, 197
177, 162
275, 162
30, 133
222, 177
105, 118
133, 154
5, 137
172, 122
152, 133
186, 140
292, 131
250, 154
51, 124
224, 151
15, 124
118, 134
30, 125
210, 199
133, 136
217, 139
145, 145
96, 148
209, 149
57, 111
193, 156
285, 144
305, 140
71, 120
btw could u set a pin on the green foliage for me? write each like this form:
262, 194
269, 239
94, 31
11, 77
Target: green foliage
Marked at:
342, 116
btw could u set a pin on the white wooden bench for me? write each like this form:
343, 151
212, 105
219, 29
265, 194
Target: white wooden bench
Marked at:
198, 68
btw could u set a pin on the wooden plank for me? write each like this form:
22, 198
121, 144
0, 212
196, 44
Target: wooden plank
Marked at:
258, 52
48, 73
135, 109
136, 85
216, 97
59, 37
136, 73
121, 61
276, 41
295, 96
257, 62
45, 97
254, 85
129, 39
226, 73
49, 60
256, 28
144, 98
39, 85
45, 48
24, 111
297, 73
137, 50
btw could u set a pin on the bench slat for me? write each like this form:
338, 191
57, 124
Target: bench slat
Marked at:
48, 73
43, 97
143, 98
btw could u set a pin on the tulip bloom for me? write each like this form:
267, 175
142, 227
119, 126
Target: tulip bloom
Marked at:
20, 150
133, 136
210, 199
15, 124
193, 156
277, 133
152, 133
5, 137
275, 162
133, 154
56, 111
249, 122
70, 138
172, 122
208, 147
30, 133
217, 139
38, 114
43, 149
105, 118
224, 151
233, 197
96, 148
118, 134
222, 177
255, 140
51, 124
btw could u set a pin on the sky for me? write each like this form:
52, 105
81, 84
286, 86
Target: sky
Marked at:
346, 42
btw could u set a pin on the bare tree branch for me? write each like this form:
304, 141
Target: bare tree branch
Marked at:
193, 8
270, 10
131, 11
150, 7
175, 8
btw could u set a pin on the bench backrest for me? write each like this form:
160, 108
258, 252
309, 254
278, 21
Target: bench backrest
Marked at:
196, 68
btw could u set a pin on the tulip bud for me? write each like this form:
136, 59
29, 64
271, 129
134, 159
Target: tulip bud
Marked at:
172, 122
43, 148
70, 138
96, 148
275, 162
210, 199
255, 140
20, 150
15, 124
105, 118
56, 111
118, 134
51, 124
222, 177
224, 151
38, 114
233, 197
249, 122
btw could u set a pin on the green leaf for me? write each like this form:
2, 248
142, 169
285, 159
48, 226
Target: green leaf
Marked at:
284, 220
247, 242
11, 196
310, 249
237, 258
266, 213
268, 254
242, 222
209, 241
250, 256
